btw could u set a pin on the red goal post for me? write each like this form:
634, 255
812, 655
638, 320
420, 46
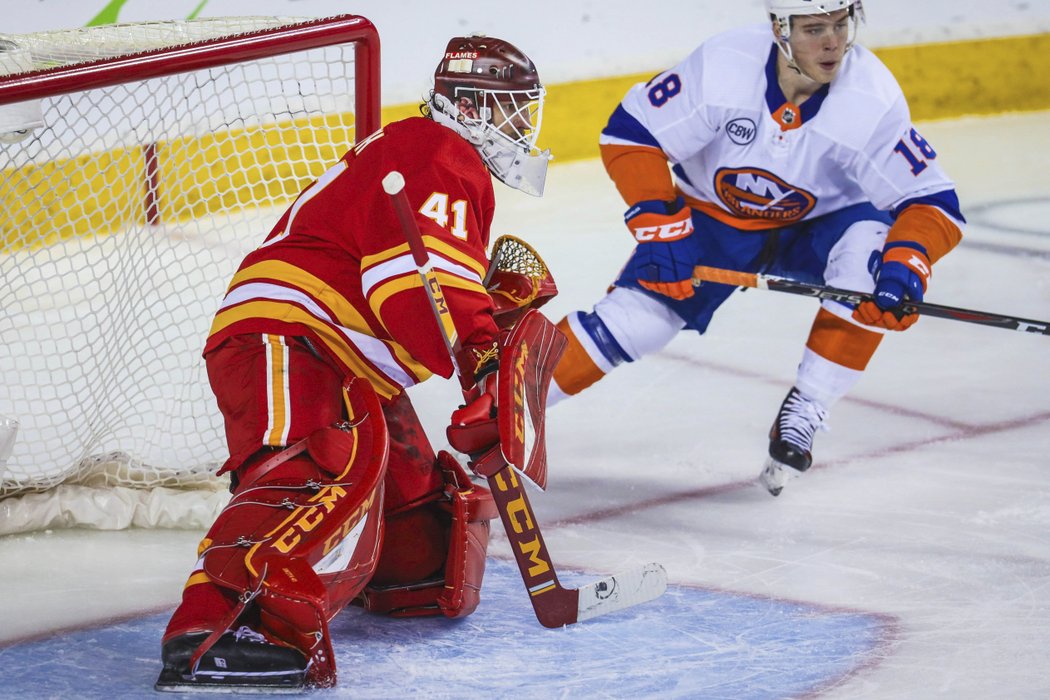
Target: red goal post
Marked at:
164, 152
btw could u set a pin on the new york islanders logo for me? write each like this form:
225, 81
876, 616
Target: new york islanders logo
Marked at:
753, 193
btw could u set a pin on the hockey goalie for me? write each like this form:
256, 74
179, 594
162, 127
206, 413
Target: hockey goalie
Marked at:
338, 497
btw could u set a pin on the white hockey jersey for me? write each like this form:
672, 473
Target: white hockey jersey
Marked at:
743, 154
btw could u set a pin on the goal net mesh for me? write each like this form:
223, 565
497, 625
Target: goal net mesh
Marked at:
124, 215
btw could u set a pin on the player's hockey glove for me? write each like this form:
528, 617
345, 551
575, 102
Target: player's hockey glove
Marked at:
901, 273
666, 250
473, 429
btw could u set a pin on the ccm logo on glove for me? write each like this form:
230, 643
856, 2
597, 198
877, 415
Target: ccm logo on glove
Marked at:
664, 232
654, 220
901, 273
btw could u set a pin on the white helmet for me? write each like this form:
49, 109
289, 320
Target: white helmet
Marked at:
489, 92
781, 11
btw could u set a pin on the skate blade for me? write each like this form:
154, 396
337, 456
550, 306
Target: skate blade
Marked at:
176, 683
775, 475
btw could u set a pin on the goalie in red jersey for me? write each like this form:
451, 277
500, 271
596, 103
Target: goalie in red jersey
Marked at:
338, 496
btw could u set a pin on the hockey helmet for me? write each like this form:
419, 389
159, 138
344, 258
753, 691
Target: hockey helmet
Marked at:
781, 12
490, 93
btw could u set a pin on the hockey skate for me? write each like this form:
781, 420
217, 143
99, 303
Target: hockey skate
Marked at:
791, 440
242, 660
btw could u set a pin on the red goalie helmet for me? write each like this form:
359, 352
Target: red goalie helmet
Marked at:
484, 62
489, 92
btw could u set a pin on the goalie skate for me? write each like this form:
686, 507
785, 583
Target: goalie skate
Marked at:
791, 440
242, 660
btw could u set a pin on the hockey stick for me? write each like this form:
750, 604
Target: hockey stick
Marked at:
554, 605
716, 275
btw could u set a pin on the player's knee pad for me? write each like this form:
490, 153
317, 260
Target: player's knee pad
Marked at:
640, 324
451, 531
624, 326
849, 267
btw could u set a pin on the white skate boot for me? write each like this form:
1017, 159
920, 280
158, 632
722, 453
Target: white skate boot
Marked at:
791, 440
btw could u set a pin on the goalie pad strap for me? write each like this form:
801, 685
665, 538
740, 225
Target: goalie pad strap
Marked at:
277, 460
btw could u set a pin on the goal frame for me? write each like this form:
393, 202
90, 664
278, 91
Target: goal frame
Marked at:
53, 507
157, 63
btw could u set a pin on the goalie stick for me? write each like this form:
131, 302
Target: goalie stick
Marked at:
553, 604
716, 275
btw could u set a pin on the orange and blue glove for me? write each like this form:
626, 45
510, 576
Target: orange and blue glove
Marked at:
901, 273
667, 250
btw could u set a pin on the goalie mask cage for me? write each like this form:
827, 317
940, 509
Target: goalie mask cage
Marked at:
166, 152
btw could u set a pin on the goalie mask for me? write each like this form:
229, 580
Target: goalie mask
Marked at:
781, 12
489, 92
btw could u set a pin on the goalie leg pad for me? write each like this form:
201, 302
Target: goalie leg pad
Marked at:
411, 477
293, 609
527, 360
321, 505
472, 507
465, 511
301, 535
203, 605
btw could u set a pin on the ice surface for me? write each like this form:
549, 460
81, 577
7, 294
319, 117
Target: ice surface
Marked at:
924, 524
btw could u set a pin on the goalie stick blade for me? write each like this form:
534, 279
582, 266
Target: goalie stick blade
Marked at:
558, 607
555, 605
621, 591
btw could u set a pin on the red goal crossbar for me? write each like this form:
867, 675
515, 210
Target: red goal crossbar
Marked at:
330, 31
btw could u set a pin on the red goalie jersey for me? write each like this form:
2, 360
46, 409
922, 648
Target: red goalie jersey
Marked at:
337, 270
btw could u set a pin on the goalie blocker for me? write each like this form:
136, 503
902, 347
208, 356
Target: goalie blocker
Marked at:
528, 355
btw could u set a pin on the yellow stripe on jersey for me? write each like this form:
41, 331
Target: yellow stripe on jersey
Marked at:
431, 243
334, 341
276, 390
277, 270
384, 291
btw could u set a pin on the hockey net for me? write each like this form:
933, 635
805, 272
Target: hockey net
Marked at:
140, 163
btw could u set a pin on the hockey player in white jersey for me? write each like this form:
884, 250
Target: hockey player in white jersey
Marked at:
789, 152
